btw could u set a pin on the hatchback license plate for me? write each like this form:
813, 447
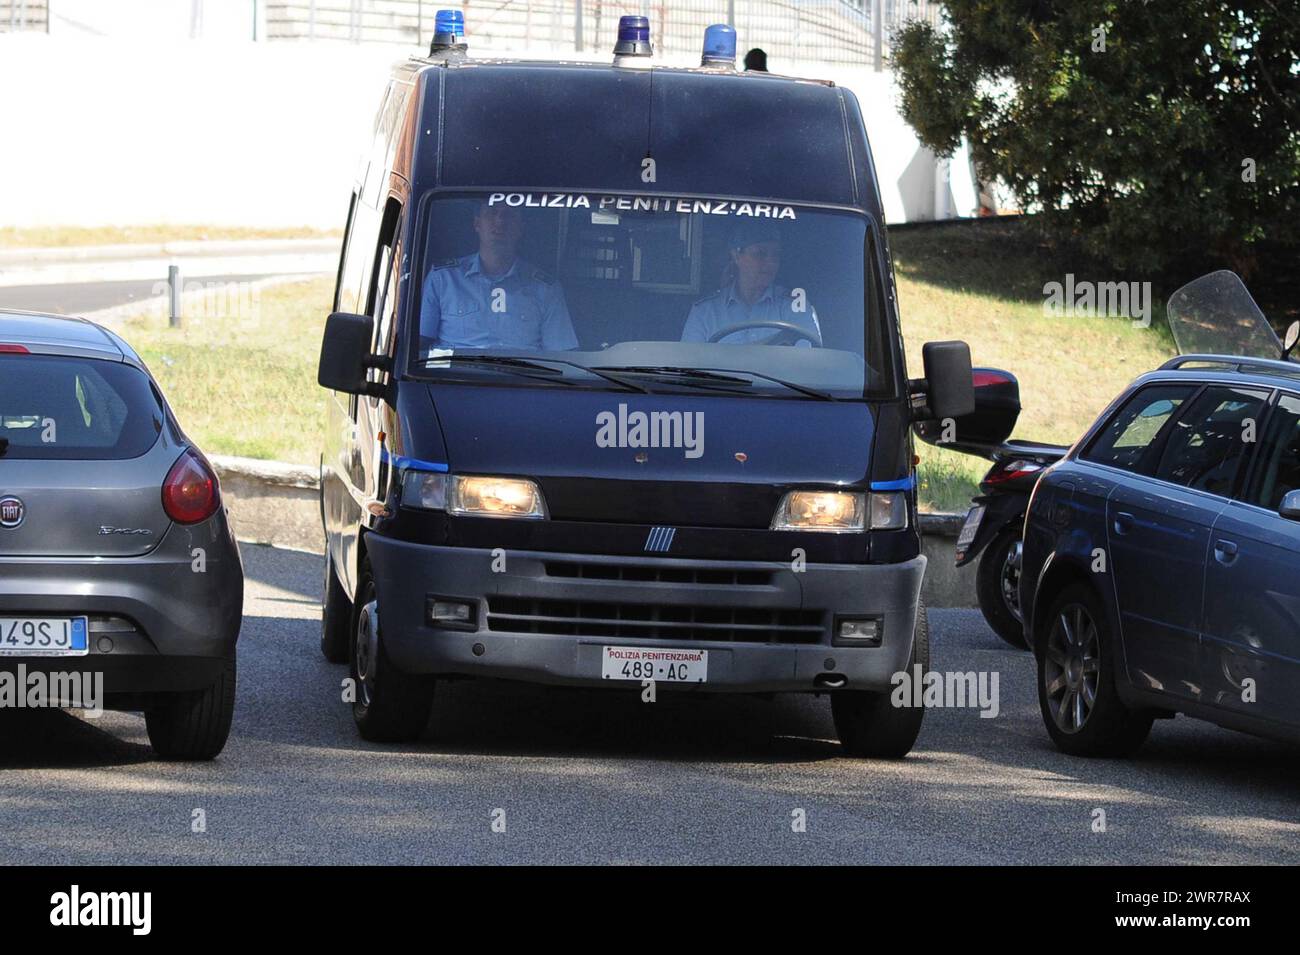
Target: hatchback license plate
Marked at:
677, 665
44, 637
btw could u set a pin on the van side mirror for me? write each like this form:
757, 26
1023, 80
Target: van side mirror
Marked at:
1290, 506
345, 357
949, 390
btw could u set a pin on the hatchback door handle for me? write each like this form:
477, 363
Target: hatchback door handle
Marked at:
1225, 551
1123, 523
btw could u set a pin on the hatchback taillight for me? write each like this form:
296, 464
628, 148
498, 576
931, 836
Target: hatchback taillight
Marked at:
6, 349
191, 493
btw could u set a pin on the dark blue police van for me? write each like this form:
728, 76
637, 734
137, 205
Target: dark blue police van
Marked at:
618, 392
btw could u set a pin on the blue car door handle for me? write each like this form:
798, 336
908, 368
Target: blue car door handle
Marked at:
1225, 551
1123, 523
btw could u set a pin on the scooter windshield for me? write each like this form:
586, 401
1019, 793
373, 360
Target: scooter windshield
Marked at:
1215, 315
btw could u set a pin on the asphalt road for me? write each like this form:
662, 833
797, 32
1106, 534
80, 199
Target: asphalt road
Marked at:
598, 776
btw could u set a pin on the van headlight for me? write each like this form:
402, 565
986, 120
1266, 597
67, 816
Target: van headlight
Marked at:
836, 511
475, 496
840, 511
472, 496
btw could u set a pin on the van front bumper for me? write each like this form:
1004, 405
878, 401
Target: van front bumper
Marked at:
546, 617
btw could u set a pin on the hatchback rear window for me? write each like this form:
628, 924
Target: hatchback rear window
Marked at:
60, 408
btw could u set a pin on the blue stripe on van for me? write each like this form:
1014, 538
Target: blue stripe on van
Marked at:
413, 464
902, 484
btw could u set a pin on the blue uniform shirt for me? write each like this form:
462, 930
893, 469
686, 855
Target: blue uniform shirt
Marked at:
725, 308
457, 308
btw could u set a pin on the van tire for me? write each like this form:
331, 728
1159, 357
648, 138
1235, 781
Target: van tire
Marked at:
194, 726
1110, 729
868, 724
391, 706
335, 616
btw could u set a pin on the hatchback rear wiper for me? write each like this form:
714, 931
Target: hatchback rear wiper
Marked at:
528, 365
720, 376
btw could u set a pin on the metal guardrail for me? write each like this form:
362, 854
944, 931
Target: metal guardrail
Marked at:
28, 15
848, 32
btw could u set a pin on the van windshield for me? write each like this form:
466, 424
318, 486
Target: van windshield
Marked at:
655, 290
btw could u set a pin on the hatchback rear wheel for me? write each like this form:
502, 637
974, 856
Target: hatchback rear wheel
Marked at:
195, 725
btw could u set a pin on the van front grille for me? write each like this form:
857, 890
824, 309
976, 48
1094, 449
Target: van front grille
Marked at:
720, 577
591, 618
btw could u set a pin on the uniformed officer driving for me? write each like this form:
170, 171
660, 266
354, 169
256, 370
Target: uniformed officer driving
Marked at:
493, 298
752, 296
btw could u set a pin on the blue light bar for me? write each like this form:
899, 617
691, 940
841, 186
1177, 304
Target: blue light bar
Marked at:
633, 37
719, 45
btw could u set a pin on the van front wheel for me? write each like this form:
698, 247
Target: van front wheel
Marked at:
391, 706
868, 723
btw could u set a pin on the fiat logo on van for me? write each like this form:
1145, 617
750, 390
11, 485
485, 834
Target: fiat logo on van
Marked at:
11, 512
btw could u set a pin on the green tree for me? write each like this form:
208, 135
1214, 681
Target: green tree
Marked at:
1154, 133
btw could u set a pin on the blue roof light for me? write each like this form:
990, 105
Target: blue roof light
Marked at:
719, 45
633, 37
448, 32
449, 21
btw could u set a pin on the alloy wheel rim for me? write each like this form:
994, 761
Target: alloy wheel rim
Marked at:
1071, 668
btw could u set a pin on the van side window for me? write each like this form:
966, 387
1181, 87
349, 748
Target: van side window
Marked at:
387, 275
343, 255
1134, 428
1278, 470
1208, 442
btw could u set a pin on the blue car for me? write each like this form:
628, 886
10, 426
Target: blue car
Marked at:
1161, 561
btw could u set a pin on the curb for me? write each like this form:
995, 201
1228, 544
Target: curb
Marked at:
270, 502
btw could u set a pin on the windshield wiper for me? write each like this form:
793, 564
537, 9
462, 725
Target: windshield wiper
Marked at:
525, 365
721, 376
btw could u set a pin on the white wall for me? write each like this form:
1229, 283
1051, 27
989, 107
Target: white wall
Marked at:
155, 129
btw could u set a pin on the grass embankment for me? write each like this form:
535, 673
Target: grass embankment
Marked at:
245, 385
983, 283
249, 387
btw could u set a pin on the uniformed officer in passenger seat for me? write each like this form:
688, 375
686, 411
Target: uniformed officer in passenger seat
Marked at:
749, 294
493, 298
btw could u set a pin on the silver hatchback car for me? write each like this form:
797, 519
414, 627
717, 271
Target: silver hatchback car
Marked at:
118, 567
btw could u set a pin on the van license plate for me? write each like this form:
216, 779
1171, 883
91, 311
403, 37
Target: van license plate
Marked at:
969, 529
678, 665
44, 637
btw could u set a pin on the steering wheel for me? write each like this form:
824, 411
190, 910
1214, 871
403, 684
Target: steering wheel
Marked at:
787, 333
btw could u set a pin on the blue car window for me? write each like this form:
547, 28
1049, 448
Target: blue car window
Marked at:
1278, 470
1209, 440
1134, 428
